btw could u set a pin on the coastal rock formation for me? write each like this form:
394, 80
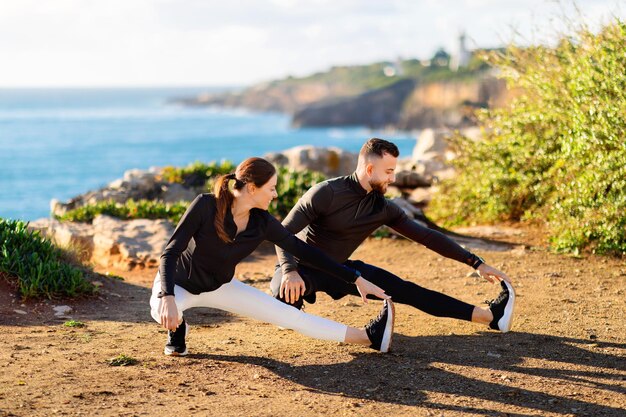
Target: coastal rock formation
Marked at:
284, 97
451, 104
136, 184
330, 161
409, 103
108, 241
377, 108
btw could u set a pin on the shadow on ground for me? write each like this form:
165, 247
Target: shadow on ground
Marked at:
429, 364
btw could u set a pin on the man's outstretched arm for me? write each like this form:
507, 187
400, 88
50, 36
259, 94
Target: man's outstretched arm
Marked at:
443, 245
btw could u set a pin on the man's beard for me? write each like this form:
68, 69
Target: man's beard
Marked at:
379, 186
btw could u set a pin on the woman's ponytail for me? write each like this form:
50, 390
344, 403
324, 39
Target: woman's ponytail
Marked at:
224, 200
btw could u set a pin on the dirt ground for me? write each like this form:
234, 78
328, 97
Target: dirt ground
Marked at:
566, 354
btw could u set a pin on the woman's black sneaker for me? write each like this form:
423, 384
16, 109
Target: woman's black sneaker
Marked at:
502, 308
176, 340
380, 329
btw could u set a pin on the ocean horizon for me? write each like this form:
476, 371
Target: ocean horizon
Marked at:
62, 142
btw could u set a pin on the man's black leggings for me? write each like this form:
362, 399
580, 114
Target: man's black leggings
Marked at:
401, 291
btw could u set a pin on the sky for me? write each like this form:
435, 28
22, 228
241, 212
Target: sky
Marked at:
125, 43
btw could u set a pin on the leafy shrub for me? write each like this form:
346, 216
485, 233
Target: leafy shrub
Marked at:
290, 187
557, 152
131, 209
197, 173
39, 266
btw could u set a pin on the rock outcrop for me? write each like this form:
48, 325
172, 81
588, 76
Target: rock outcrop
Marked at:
108, 241
283, 97
377, 108
407, 104
330, 161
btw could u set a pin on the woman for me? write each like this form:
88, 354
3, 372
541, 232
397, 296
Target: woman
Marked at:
215, 234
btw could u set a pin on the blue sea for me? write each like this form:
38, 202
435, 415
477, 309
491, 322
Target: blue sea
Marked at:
58, 143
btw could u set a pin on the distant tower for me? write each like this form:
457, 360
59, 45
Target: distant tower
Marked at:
462, 56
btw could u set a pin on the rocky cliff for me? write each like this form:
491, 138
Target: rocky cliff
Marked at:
427, 98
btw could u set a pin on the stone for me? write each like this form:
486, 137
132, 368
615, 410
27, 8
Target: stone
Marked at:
421, 196
174, 192
330, 161
77, 237
432, 155
431, 144
62, 310
129, 243
410, 179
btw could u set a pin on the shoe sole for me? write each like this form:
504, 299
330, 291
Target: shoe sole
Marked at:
168, 352
385, 345
506, 321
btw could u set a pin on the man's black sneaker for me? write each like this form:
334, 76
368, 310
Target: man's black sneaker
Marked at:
176, 340
380, 329
502, 308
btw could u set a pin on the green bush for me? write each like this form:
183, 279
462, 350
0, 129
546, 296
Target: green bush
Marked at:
557, 152
290, 187
197, 173
131, 209
38, 265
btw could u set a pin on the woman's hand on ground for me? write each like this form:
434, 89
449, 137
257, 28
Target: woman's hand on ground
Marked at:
292, 287
491, 274
169, 313
365, 287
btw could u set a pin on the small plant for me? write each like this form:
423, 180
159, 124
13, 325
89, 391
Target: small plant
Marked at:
131, 209
122, 360
38, 265
74, 323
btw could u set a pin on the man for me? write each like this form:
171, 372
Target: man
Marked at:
337, 215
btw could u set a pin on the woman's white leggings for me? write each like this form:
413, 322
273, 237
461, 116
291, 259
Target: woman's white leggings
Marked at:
239, 298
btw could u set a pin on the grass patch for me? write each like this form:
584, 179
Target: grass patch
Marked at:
40, 267
131, 209
291, 186
122, 360
197, 173
74, 323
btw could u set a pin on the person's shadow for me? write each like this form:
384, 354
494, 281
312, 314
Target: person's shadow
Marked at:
419, 365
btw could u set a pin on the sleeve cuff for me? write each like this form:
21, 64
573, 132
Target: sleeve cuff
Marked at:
475, 261
163, 294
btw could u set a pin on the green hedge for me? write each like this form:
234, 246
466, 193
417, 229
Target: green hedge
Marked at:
197, 173
38, 265
291, 185
131, 209
557, 152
